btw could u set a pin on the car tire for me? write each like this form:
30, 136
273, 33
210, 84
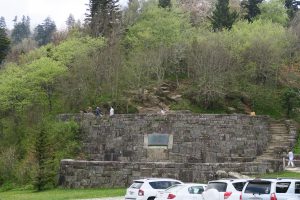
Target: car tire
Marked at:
151, 198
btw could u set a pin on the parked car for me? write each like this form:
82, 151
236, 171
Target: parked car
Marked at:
229, 189
147, 189
272, 189
188, 191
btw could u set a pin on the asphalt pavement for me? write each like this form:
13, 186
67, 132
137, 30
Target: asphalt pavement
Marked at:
108, 198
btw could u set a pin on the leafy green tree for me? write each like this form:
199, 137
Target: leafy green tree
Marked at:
290, 100
31, 84
251, 8
43, 32
157, 31
164, 3
131, 13
21, 30
103, 16
222, 17
261, 55
275, 11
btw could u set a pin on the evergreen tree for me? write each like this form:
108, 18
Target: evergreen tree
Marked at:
164, 3
252, 9
70, 22
43, 32
103, 16
131, 13
42, 154
4, 41
291, 9
2, 23
222, 17
21, 30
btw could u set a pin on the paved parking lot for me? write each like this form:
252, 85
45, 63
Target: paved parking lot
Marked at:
109, 198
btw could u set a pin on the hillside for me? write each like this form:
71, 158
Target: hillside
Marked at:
146, 59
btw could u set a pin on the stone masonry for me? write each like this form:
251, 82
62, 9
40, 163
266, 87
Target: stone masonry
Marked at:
198, 145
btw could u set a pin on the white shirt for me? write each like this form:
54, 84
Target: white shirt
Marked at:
291, 155
111, 111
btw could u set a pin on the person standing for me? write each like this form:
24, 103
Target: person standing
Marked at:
291, 159
98, 112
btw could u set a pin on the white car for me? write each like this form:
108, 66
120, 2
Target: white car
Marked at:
188, 191
147, 189
227, 189
272, 189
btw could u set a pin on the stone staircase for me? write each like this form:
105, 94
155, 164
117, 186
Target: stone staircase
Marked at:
279, 144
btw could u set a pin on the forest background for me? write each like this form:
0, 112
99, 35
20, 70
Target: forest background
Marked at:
203, 56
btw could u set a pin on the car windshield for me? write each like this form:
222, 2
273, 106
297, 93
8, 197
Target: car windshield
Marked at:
263, 187
136, 185
162, 184
196, 190
220, 186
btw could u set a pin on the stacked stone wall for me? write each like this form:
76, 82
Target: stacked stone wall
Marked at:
94, 174
196, 138
118, 152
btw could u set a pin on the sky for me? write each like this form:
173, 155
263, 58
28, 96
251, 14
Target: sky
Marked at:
38, 10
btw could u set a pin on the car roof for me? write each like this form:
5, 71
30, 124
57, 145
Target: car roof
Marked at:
156, 179
229, 180
194, 184
276, 179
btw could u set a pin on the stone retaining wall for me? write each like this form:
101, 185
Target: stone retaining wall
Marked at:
94, 174
194, 138
198, 146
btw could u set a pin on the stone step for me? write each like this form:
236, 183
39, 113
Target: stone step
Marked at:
281, 137
283, 133
250, 173
277, 125
239, 159
276, 147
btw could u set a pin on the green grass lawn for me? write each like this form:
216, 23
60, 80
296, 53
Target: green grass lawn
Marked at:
284, 174
60, 194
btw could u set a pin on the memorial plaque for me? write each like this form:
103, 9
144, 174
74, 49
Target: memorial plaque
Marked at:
157, 139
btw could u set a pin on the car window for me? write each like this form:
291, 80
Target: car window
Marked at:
282, 187
297, 187
174, 188
196, 190
220, 186
136, 185
258, 187
239, 185
162, 184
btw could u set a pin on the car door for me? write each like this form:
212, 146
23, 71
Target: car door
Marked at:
297, 189
163, 195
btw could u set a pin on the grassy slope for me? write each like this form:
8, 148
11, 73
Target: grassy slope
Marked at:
284, 174
60, 194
